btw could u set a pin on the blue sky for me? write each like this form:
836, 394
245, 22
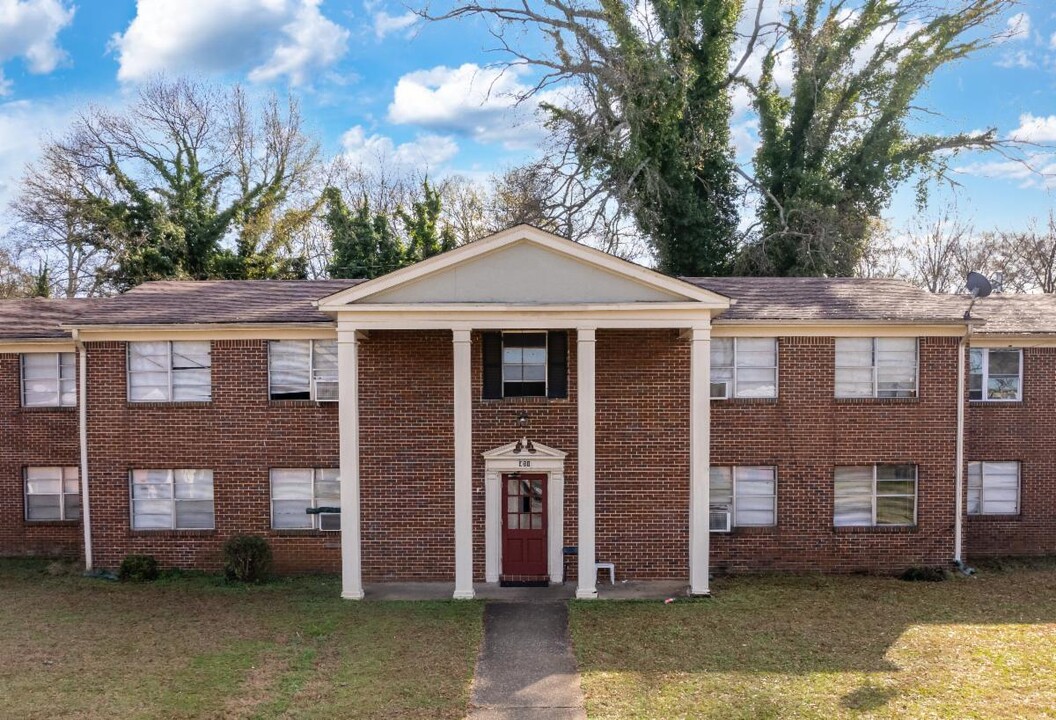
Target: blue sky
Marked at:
375, 82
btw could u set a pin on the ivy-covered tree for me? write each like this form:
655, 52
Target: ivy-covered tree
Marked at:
836, 146
427, 234
364, 245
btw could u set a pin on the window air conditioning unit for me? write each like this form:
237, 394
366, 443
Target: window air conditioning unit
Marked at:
720, 518
326, 390
329, 521
720, 390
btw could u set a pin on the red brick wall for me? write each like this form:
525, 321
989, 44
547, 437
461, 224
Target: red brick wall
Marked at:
240, 435
31, 437
806, 433
1024, 431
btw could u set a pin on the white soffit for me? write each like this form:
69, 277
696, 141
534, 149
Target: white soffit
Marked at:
523, 266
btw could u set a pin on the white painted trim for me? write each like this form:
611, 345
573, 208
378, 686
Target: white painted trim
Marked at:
958, 503
348, 424
261, 331
545, 460
699, 457
994, 340
82, 429
586, 449
523, 234
526, 318
828, 328
21, 347
463, 433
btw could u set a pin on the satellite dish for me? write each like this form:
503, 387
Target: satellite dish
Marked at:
978, 285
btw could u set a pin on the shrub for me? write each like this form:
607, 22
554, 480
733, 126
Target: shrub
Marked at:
138, 568
247, 558
924, 574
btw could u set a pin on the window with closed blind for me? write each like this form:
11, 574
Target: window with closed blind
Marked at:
49, 380
743, 368
172, 499
169, 371
875, 495
52, 493
294, 491
303, 370
748, 493
993, 488
876, 367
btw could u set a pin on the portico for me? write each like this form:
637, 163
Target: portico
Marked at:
523, 279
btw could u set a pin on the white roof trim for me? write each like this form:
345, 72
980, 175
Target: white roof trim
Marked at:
517, 234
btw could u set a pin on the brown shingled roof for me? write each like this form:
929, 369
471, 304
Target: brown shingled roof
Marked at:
1021, 314
39, 318
813, 299
175, 302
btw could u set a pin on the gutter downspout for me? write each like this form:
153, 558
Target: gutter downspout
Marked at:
958, 529
82, 413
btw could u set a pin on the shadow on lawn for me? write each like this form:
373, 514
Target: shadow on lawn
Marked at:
802, 625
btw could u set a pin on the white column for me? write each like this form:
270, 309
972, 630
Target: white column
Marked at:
699, 460
585, 338
348, 424
555, 499
463, 468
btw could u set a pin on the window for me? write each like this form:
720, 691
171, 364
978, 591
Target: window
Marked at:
876, 367
294, 491
749, 492
993, 488
995, 374
52, 493
303, 370
524, 364
744, 368
172, 500
49, 380
875, 495
177, 371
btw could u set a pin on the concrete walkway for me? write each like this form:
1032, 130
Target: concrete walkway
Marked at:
526, 669
492, 592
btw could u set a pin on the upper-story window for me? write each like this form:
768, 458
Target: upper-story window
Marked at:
49, 380
303, 370
169, 371
743, 368
525, 364
995, 374
876, 367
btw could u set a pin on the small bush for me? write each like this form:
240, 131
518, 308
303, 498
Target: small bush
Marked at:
247, 558
924, 574
138, 568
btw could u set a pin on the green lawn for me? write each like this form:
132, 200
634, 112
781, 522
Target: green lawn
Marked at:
828, 647
198, 648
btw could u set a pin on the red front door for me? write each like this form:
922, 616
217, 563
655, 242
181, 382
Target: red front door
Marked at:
524, 524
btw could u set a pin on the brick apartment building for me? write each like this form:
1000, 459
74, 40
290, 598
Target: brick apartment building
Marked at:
474, 415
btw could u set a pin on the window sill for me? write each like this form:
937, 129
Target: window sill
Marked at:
870, 529
995, 403
301, 403
745, 401
524, 401
51, 523
170, 405
171, 533
305, 532
49, 409
877, 401
749, 531
994, 517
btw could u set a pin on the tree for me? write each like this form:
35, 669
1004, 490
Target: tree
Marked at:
1031, 257
364, 245
192, 167
14, 281
427, 235
936, 252
837, 144
643, 119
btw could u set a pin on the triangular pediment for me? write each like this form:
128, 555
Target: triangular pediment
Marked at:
509, 452
524, 266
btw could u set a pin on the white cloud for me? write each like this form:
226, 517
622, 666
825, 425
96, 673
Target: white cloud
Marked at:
268, 38
427, 151
1035, 129
29, 30
1036, 171
469, 100
1018, 59
384, 24
1019, 27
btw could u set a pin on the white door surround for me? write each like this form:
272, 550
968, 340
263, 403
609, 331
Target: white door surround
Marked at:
545, 460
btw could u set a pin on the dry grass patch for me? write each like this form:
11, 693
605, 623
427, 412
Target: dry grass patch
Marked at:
195, 647
828, 647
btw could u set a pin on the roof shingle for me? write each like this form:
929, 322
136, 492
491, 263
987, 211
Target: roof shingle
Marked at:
39, 318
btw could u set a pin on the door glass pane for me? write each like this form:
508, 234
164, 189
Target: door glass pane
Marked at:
512, 521
537, 522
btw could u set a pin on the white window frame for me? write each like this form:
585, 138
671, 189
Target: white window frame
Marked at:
875, 367
873, 523
313, 378
59, 379
735, 367
172, 499
64, 471
734, 476
981, 464
316, 518
129, 372
985, 373
546, 361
